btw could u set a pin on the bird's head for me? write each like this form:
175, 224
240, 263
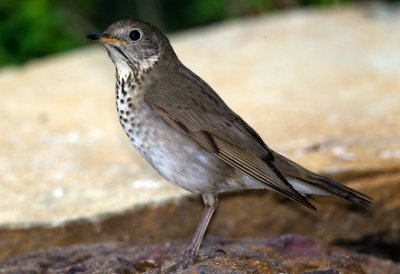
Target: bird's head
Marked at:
133, 45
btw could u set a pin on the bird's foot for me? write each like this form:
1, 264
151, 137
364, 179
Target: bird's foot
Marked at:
183, 263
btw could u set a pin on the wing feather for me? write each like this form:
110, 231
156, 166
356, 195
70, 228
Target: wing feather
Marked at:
199, 113
215, 133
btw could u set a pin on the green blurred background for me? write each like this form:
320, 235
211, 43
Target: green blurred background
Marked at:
36, 28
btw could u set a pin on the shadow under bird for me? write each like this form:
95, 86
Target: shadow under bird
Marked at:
180, 125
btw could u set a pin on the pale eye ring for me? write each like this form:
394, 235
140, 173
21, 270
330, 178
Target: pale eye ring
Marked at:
135, 35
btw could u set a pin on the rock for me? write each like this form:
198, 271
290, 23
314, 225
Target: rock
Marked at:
285, 254
321, 92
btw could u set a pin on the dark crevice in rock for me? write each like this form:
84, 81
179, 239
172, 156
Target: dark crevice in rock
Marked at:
374, 244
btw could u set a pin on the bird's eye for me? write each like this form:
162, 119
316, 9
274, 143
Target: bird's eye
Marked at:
135, 35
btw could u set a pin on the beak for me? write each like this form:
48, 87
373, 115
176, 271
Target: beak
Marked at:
103, 39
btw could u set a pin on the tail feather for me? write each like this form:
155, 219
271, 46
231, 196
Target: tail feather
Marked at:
300, 174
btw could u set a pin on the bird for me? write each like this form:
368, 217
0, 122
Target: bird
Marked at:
183, 128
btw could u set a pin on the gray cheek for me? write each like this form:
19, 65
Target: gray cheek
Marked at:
133, 53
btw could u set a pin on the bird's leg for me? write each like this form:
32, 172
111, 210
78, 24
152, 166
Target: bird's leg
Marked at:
210, 202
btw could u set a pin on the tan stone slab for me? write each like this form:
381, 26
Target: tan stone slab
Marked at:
323, 87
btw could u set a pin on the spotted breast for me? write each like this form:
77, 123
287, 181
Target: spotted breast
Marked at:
163, 147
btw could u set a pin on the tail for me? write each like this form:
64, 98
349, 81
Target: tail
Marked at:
307, 182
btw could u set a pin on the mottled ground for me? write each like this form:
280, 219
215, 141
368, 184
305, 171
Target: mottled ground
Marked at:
285, 254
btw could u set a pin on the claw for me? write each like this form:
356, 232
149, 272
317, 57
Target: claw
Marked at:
182, 264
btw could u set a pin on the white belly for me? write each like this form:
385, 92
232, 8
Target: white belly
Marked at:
175, 157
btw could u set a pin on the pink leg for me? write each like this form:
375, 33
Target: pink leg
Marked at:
210, 202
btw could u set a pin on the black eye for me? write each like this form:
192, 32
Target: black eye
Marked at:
135, 35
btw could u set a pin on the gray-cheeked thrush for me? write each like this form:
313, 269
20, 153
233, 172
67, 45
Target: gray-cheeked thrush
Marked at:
180, 125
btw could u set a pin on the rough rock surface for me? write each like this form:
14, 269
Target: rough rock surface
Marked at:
285, 254
321, 86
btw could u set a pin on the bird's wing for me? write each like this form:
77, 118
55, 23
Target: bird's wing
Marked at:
211, 124
292, 170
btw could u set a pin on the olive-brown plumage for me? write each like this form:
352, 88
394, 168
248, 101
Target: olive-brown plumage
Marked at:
183, 128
